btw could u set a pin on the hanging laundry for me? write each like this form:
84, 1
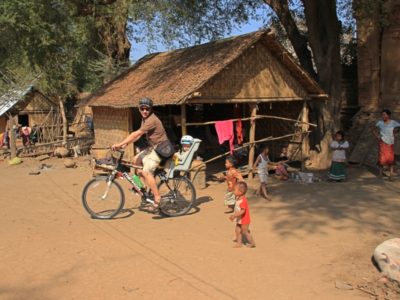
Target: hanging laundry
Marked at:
239, 131
225, 132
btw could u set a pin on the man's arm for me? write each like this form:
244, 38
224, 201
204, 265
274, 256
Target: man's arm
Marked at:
133, 137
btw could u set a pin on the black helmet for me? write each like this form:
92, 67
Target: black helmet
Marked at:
146, 102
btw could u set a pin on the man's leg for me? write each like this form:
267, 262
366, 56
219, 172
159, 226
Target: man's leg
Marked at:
150, 163
151, 183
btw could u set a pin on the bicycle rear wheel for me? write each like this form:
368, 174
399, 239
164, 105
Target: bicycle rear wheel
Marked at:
177, 196
101, 199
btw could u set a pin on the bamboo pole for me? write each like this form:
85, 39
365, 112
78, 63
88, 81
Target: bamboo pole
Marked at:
250, 118
252, 135
305, 145
183, 119
267, 139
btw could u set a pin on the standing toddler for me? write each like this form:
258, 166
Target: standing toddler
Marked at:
242, 216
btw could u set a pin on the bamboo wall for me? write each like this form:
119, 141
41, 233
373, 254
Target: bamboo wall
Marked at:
112, 126
254, 75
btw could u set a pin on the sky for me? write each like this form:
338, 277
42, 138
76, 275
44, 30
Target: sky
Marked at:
139, 50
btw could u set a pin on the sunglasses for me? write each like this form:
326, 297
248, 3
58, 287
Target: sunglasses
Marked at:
144, 108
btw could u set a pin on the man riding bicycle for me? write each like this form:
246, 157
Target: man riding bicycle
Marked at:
148, 158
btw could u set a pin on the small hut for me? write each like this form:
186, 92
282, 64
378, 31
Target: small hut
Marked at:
28, 106
244, 77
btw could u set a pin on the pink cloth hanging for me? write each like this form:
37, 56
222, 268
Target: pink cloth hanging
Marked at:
225, 132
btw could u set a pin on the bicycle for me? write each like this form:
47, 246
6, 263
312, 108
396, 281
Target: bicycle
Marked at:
104, 198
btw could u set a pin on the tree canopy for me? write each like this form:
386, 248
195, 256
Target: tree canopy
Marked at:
77, 45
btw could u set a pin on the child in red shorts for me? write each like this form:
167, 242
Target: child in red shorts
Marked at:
242, 216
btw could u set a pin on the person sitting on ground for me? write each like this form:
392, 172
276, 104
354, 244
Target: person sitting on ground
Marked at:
261, 164
242, 216
281, 170
232, 177
337, 172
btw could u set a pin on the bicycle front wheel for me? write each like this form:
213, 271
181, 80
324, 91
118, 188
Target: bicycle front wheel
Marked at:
103, 199
177, 196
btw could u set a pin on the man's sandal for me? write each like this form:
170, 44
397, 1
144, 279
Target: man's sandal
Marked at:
153, 208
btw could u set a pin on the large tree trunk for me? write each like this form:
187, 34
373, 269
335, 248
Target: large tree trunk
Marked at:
299, 41
324, 39
112, 32
111, 19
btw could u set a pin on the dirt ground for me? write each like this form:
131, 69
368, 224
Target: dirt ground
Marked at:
309, 238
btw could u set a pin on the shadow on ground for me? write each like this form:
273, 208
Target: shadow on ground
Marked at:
363, 203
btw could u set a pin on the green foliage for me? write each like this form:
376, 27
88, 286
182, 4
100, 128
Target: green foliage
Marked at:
187, 22
52, 41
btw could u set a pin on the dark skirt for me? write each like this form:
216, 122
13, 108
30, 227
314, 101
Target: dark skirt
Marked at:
337, 171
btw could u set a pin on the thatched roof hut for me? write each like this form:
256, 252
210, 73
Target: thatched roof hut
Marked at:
241, 71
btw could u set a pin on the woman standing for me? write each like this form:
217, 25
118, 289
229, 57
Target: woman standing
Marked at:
385, 137
339, 146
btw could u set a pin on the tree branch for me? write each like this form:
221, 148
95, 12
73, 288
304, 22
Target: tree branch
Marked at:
299, 41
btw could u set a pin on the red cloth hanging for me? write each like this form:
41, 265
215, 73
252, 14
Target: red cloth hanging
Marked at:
225, 132
239, 131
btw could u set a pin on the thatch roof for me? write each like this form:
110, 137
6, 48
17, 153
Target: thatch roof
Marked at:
171, 77
17, 98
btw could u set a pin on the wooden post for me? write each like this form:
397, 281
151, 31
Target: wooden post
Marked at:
305, 143
183, 119
65, 124
252, 135
13, 146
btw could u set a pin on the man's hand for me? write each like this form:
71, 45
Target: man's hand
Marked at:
232, 218
117, 146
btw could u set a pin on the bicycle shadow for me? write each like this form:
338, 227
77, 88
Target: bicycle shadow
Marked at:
124, 214
194, 210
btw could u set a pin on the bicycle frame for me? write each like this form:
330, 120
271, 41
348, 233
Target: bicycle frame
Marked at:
141, 191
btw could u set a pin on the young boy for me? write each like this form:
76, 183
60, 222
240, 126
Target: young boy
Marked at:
242, 216
261, 164
232, 177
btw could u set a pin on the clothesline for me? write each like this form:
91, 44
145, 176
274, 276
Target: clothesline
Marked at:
270, 138
252, 118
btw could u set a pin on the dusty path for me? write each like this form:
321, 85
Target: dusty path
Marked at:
308, 237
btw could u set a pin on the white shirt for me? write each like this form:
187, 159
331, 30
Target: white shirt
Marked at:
386, 130
339, 150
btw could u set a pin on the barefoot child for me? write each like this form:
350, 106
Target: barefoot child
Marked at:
232, 177
261, 164
281, 172
242, 216
339, 146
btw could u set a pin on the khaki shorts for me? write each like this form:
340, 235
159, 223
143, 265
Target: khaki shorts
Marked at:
149, 159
